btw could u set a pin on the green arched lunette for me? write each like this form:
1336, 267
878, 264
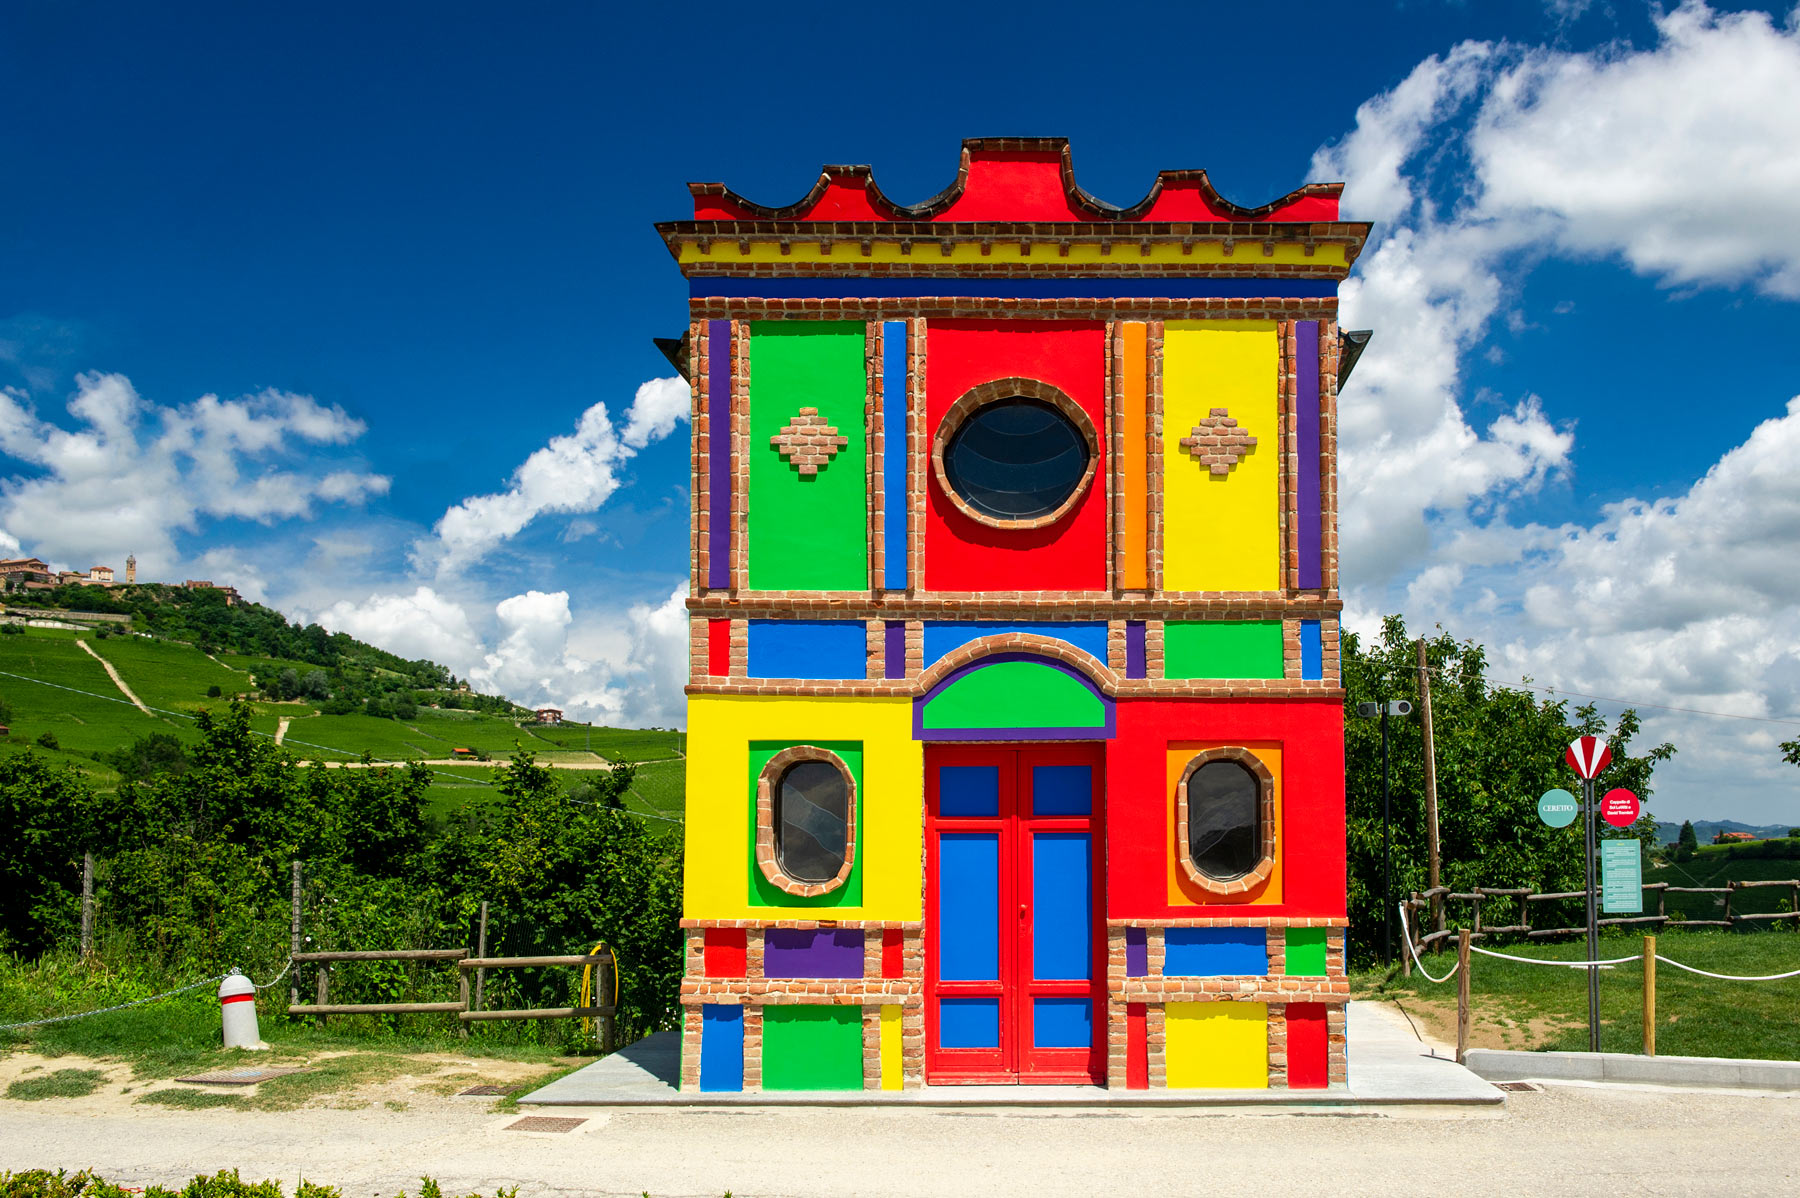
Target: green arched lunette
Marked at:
1015, 697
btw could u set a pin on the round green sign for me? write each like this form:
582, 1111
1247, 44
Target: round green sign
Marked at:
1557, 808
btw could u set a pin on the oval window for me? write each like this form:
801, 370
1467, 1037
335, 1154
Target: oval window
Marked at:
1224, 810
812, 821
1017, 458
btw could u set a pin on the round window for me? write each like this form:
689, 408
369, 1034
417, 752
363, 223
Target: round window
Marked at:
1224, 810
812, 821
1017, 458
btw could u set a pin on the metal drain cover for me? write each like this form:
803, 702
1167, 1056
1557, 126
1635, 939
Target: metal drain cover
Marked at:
1516, 1087
545, 1123
482, 1092
239, 1077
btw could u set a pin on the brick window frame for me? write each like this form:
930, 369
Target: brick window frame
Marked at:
766, 859
980, 396
1265, 819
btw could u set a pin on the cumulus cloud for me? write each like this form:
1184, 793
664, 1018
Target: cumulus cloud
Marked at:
131, 473
574, 473
419, 624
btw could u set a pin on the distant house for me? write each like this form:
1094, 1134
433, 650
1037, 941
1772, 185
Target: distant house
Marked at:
70, 578
549, 715
102, 574
460, 753
23, 571
232, 598
1733, 837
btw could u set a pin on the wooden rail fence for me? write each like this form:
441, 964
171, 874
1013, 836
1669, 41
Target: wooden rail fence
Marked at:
1522, 897
465, 1011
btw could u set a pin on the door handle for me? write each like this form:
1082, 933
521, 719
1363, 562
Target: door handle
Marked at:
1021, 910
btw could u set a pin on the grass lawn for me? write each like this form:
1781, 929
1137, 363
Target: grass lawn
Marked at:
98, 719
169, 674
1540, 1008
659, 788
617, 744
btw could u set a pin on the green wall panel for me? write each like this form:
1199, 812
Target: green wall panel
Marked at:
808, 532
1015, 694
850, 893
1305, 952
1222, 649
812, 1047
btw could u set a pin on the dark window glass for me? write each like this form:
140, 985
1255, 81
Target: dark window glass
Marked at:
812, 810
1224, 813
1015, 459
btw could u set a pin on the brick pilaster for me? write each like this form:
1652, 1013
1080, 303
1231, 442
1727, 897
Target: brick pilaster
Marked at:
753, 1057
1278, 1046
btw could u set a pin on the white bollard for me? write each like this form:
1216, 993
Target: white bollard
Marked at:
237, 1011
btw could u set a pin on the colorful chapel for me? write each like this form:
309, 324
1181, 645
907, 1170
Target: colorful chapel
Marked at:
1015, 746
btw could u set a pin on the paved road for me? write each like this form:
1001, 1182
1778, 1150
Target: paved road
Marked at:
1564, 1140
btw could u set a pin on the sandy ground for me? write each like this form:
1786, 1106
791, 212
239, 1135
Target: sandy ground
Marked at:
1562, 1140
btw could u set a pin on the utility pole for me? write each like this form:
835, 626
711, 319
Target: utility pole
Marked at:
1431, 806
1593, 926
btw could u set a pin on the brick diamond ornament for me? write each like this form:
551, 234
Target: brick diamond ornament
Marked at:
1217, 442
809, 442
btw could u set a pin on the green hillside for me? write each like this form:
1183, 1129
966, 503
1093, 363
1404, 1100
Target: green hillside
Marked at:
58, 698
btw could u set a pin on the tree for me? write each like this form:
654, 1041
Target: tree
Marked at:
1686, 842
1498, 750
316, 685
47, 815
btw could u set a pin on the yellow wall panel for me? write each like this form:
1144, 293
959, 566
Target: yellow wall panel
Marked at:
1183, 893
1221, 532
1217, 1045
890, 1048
719, 831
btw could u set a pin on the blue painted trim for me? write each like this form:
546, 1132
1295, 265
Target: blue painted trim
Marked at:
1106, 731
893, 460
893, 287
1215, 952
721, 1047
947, 636
809, 649
1312, 651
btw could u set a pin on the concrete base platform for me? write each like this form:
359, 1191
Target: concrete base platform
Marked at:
1725, 1072
1388, 1065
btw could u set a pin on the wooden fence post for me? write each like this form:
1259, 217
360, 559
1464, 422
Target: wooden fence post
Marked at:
324, 989
481, 951
1649, 996
1462, 996
603, 998
294, 937
87, 905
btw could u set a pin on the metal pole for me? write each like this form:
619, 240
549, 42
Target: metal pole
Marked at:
1387, 852
87, 905
1593, 921
1431, 804
294, 937
481, 951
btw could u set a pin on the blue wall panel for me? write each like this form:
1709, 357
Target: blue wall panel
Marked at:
942, 637
808, 649
1061, 906
1215, 952
968, 914
893, 452
1312, 651
721, 1047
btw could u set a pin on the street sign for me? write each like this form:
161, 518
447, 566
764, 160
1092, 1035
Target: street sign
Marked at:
1588, 756
1619, 808
1621, 877
1557, 808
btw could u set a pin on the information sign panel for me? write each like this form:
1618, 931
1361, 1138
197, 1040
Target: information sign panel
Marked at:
1621, 877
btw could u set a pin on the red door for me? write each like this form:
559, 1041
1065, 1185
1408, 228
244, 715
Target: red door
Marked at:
1014, 974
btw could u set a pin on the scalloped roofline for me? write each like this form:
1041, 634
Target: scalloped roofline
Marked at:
981, 190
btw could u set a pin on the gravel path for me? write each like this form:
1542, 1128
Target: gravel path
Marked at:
1562, 1140
117, 681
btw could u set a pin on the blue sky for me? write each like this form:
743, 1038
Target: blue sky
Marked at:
323, 303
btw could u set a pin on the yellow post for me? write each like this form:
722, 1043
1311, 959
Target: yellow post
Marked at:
1462, 996
1649, 996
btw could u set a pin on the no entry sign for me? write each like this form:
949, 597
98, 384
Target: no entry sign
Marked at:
1619, 808
1588, 756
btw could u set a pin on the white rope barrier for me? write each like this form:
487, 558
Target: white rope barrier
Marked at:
1406, 934
138, 1002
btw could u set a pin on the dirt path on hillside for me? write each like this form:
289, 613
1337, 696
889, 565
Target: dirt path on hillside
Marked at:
281, 728
117, 681
462, 761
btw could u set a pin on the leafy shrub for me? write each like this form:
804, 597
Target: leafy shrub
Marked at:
213, 691
12, 629
48, 740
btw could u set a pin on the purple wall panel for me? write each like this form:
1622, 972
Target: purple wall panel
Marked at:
718, 475
1137, 953
813, 953
894, 649
1306, 412
1137, 655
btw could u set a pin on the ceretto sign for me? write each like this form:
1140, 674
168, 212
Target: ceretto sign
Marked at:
1557, 808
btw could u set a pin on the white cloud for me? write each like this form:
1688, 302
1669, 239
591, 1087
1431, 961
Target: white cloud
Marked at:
576, 472
422, 624
132, 474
